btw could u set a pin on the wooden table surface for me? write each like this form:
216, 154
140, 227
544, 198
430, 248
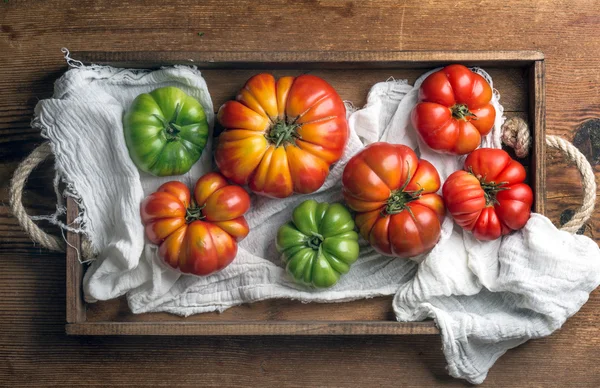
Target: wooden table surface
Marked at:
34, 350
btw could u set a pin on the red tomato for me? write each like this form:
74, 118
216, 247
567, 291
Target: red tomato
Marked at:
489, 198
393, 193
197, 236
454, 110
281, 136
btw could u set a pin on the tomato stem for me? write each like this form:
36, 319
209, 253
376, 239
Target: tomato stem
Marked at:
399, 199
170, 127
462, 112
490, 189
282, 133
194, 213
315, 241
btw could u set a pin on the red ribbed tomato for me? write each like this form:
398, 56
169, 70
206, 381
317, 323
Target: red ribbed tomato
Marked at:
454, 110
281, 136
393, 193
489, 197
199, 236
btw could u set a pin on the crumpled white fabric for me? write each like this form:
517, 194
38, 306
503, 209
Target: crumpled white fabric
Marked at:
485, 297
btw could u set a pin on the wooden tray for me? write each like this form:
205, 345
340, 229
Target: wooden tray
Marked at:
519, 77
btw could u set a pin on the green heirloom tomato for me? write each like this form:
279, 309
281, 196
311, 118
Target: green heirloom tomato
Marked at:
165, 131
319, 244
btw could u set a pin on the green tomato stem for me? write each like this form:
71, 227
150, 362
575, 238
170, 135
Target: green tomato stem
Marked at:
171, 129
462, 112
490, 189
399, 199
282, 133
315, 241
194, 213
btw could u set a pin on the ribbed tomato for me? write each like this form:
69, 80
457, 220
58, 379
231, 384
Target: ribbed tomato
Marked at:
489, 197
199, 236
165, 131
454, 110
393, 193
281, 136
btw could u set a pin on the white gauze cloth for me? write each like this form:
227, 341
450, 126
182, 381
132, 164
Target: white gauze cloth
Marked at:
485, 297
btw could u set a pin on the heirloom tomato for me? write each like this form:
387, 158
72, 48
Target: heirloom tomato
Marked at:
393, 193
319, 244
454, 110
199, 234
281, 136
489, 197
165, 131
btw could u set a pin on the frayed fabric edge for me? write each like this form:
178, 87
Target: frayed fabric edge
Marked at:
69, 192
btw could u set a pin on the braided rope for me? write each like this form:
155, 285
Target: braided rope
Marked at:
588, 181
17, 185
515, 134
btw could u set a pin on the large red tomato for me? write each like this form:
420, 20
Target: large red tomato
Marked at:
489, 197
199, 236
393, 193
454, 110
281, 136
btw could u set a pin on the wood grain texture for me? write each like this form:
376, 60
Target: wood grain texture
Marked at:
537, 114
315, 59
75, 303
33, 347
191, 328
283, 310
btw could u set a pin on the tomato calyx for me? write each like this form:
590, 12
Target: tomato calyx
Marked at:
315, 241
462, 112
399, 199
171, 129
491, 190
194, 213
282, 133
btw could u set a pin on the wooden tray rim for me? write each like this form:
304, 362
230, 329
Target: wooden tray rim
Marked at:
210, 59
76, 310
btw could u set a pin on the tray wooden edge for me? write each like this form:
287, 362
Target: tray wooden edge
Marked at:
537, 120
76, 310
252, 328
208, 59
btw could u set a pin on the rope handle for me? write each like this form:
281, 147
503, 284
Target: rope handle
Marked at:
515, 134
17, 185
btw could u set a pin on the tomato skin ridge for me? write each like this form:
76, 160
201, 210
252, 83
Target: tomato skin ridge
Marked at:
312, 106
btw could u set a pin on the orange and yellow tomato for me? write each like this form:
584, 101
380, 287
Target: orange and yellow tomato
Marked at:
281, 136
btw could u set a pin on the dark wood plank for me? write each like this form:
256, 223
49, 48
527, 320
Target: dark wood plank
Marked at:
75, 304
252, 328
310, 59
537, 113
375, 309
